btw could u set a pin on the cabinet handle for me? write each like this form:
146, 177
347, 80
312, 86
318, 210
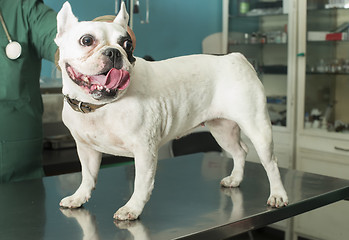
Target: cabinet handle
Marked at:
342, 149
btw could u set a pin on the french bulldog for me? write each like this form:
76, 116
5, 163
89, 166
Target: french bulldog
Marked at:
119, 104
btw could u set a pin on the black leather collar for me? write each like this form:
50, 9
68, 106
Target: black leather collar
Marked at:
82, 107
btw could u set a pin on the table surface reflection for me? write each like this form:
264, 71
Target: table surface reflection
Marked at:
187, 202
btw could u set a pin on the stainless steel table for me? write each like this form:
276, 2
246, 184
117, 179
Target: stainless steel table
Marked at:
187, 202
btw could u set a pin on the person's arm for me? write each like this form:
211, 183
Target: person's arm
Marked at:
42, 27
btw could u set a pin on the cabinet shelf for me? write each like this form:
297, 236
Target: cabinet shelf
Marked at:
328, 73
256, 44
326, 10
324, 133
328, 42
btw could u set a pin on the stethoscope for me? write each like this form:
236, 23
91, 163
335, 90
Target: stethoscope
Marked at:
13, 48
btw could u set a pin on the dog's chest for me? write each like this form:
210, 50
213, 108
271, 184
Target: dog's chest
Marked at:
96, 132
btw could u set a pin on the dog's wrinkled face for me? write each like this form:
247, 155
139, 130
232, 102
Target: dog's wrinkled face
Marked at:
96, 57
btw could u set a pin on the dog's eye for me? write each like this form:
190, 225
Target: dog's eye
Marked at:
128, 45
86, 40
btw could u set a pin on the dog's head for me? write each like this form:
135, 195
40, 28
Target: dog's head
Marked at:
95, 57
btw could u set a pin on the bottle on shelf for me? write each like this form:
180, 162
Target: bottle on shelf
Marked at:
244, 7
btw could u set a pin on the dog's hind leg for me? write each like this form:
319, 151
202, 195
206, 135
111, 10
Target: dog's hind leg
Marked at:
259, 131
227, 134
90, 162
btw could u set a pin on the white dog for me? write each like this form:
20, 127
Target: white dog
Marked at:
122, 105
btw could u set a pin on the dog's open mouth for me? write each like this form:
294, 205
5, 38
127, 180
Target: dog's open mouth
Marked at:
106, 84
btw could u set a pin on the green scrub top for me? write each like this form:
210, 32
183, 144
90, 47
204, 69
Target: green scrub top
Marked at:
33, 25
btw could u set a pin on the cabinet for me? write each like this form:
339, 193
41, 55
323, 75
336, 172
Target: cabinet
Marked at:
324, 75
322, 110
265, 33
306, 76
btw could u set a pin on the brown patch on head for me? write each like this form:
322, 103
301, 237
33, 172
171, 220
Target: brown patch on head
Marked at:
110, 18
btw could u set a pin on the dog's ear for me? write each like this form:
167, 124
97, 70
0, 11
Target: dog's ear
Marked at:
65, 19
122, 17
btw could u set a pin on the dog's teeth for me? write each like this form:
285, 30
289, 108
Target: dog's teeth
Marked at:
99, 87
85, 78
107, 89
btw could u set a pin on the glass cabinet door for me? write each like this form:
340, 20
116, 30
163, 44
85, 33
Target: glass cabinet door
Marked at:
259, 30
325, 100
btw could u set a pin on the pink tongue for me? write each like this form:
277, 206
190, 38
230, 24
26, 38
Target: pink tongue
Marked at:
115, 79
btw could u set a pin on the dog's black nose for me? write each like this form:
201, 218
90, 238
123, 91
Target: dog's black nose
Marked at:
114, 55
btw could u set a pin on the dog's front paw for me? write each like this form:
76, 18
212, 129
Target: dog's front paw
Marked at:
278, 200
73, 201
231, 181
126, 213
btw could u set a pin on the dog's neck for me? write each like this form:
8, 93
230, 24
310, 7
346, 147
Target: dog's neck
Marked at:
82, 107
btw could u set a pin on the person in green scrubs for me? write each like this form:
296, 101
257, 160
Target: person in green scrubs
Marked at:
33, 25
